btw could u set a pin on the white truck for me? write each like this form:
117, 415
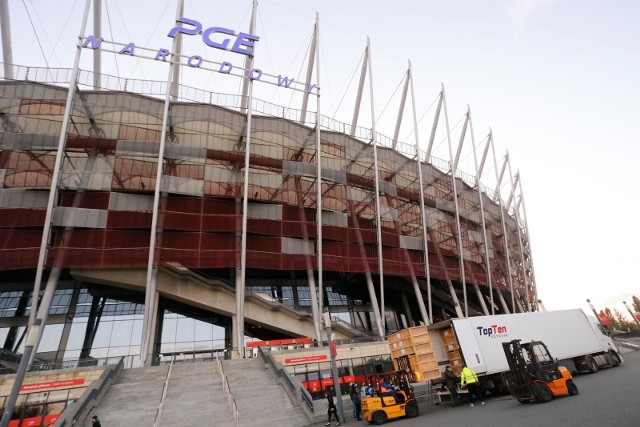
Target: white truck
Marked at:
579, 342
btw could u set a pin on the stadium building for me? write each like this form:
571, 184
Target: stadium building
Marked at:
153, 218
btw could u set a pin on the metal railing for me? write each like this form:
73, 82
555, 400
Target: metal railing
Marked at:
128, 362
231, 401
298, 392
77, 412
164, 393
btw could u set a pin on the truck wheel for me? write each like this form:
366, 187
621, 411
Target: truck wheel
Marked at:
542, 392
615, 357
592, 364
379, 417
572, 388
411, 409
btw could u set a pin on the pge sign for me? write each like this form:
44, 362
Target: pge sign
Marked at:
243, 42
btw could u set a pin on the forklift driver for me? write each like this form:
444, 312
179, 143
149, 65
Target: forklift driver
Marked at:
386, 389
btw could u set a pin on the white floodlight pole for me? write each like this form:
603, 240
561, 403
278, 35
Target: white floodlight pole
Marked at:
97, 53
35, 324
249, 59
312, 58
436, 119
526, 224
454, 165
245, 197
317, 302
150, 298
499, 176
177, 54
479, 170
5, 29
363, 74
425, 230
428, 319
370, 289
403, 100
374, 142
522, 260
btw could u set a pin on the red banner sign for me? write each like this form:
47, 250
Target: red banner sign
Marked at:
305, 359
52, 384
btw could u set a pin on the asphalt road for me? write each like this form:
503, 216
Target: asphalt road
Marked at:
610, 397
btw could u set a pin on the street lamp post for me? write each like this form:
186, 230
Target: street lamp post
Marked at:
334, 367
32, 337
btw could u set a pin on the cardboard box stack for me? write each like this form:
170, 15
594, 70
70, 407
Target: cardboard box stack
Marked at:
412, 352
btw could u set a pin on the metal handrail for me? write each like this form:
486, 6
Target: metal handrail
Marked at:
127, 361
305, 396
231, 401
74, 413
164, 393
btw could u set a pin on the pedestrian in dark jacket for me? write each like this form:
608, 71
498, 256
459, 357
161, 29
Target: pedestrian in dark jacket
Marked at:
452, 385
95, 422
331, 409
357, 403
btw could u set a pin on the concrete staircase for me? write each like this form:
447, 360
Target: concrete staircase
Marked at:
260, 400
195, 397
133, 399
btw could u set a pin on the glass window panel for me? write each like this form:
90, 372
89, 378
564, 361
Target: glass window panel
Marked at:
121, 333
99, 353
169, 330
186, 330
218, 333
103, 336
136, 332
34, 398
58, 395
118, 351
50, 338
76, 335
203, 331
3, 335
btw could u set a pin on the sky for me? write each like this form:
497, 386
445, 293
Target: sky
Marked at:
557, 82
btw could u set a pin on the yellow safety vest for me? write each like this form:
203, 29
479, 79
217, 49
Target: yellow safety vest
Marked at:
467, 376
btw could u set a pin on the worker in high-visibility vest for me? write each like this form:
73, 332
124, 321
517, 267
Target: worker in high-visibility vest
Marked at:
469, 379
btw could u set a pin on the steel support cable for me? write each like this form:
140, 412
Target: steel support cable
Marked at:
206, 53
443, 139
348, 85
389, 101
37, 38
129, 36
422, 118
263, 36
53, 50
115, 57
301, 63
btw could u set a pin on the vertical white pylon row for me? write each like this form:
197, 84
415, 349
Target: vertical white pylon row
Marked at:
151, 294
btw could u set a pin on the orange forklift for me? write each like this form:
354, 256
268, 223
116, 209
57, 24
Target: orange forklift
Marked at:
534, 375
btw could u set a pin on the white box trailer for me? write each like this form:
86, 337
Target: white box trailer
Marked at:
578, 341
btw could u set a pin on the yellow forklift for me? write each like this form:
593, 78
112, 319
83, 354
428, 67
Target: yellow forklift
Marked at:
533, 374
378, 409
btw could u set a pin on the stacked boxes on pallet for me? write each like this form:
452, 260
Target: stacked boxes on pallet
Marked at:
412, 352
453, 349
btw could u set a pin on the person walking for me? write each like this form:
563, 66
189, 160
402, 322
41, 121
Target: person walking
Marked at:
469, 379
331, 409
95, 422
452, 385
357, 403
